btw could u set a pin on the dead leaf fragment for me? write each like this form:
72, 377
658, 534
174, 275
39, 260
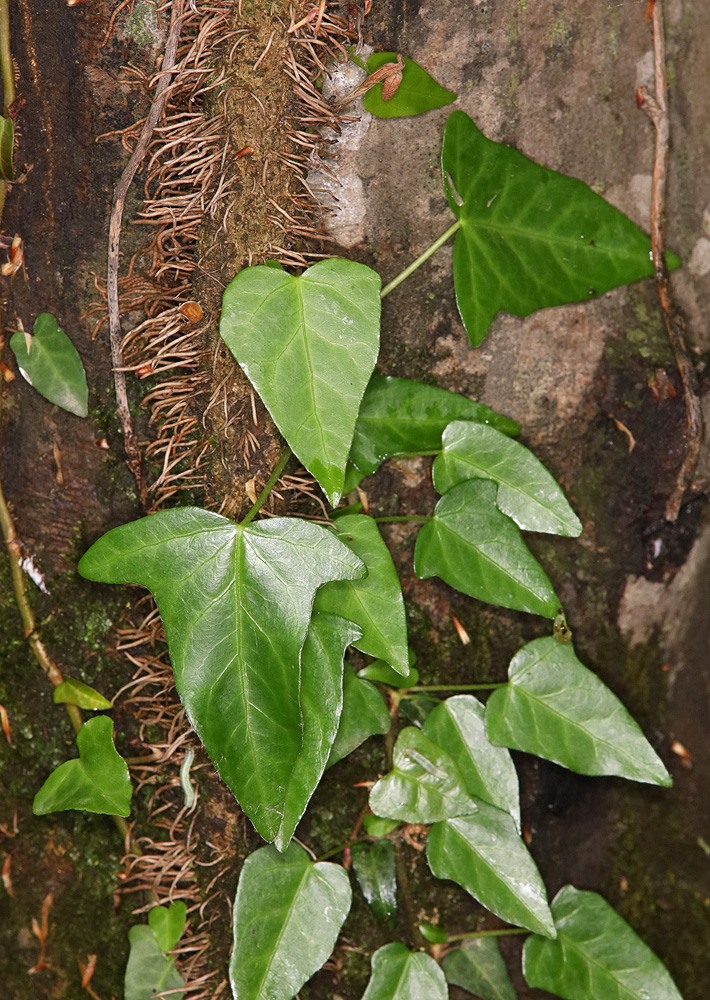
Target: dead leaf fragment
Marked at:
193, 310
6, 879
686, 757
461, 631
5, 719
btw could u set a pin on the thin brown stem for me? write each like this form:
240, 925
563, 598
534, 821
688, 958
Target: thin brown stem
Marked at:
6, 67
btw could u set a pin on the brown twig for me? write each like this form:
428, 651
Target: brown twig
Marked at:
133, 455
657, 110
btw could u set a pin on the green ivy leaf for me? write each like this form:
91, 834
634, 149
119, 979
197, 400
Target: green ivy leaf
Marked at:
417, 708
401, 417
308, 345
475, 548
374, 867
374, 603
168, 923
77, 693
382, 673
52, 365
596, 954
433, 934
417, 92
478, 966
529, 237
150, 974
364, 714
424, 784
378, 827
7, 149
97, 782
288, 913
399, 974
526, 490
487, 770
236, 604
556, 708
485, 855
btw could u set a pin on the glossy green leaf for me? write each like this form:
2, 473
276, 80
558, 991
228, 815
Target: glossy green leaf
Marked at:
236, 604
374, 603
417, 92
529, 237
556, 708
433, 934
364, 714
475, 548
308, 345
381, 673
52, 365
77, 693
168, 923
378, 827
596, 954
478, 966
399, 974
288, 913
150, 974
424, 784
401, 417
488, 771
97, 782
7, 149
374, 867
485, 854
417, 708
526, 490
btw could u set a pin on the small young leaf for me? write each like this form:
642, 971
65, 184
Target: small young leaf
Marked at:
7, 149
432, 934
596, 954
529, 237
168, 923
556, 708
288, 913
478, 966
475, 548
97, 782
52, 365
374, 868
418, 92
381, 673
488, 771
399, 974
378, 827
221, 588
150, 973
424, 784
485, 855
417, 709
364, 714
308, 344
374, 603
77, 693
401, 417
526, 490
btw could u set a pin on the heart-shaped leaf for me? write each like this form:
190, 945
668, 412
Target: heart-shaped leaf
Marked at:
417, 92
52, 365
74, 692
374, 603
478, 966
556, 708
168, 923
596, 954
236, 603
374, 867
485, 855
364, 714
97, 782
401, 417
7, 149
488, 771
308, 344
150, 974
399, 974
288, 913
529, 237
526, 490
424, 784
475, 548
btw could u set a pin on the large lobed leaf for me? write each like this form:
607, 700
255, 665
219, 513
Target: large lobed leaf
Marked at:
417, 92
236, 604
529, 237
399, 974
288, 913
308, 344
596, 954
556, 708
478, 966
51, 364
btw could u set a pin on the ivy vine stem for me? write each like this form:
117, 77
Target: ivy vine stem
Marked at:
421, 259
271, 482
7, 70
452, 687
402, 517
472, 935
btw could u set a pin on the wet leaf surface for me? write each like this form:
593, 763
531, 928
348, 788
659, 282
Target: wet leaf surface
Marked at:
399, 974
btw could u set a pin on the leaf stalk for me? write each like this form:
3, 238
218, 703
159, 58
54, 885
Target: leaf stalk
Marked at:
421, 259
271, 482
